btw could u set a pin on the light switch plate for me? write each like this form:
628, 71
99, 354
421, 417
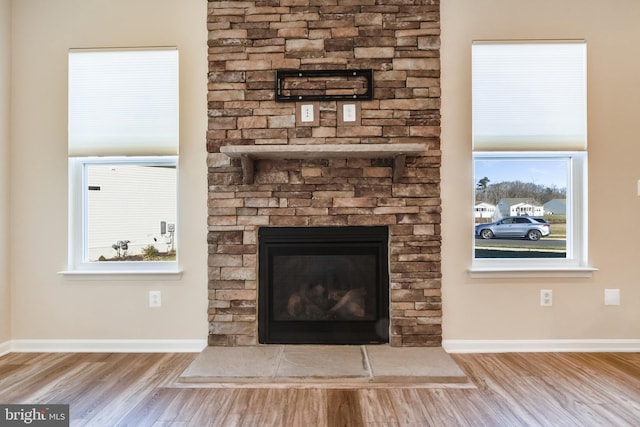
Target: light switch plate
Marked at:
348, 113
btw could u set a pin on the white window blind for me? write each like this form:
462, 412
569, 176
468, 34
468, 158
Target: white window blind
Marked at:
123, 102
529, 96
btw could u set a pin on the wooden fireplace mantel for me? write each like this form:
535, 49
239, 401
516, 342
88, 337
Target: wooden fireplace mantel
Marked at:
249, 153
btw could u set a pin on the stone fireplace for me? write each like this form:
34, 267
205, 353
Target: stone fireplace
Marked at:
269, 170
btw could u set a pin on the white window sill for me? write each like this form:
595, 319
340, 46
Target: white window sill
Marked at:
530, 272
122, 274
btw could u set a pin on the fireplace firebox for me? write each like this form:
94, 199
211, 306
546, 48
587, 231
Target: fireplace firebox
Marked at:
323, 285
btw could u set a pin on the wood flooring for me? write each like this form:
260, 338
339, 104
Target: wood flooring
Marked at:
513, 389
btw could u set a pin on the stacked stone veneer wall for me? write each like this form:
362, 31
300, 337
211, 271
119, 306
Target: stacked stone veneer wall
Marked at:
248, 41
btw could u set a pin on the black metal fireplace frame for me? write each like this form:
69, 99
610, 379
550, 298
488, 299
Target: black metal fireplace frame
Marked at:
275, 241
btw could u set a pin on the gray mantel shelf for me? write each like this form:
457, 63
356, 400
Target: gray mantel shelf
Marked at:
248, 153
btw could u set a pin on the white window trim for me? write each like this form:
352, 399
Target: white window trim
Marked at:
78, 267
576, 263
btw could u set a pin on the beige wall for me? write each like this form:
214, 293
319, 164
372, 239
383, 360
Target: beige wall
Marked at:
509, 308
5, 75
45, 304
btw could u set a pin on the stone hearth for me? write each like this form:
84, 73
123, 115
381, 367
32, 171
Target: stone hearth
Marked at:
321, 365
248, 42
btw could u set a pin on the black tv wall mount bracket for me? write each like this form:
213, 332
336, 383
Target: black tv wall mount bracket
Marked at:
324, 85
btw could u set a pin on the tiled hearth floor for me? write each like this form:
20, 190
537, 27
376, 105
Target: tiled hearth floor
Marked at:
323, 365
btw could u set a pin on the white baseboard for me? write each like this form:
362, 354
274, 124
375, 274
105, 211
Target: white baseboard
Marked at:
516, 346
196, 346
107, 346
5, 348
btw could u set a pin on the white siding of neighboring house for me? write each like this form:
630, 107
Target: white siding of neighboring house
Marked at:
484, 210
512, 207
131, 203
526, 209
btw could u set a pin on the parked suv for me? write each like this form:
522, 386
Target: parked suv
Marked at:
531, 227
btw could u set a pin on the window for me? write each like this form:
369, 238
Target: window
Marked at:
530, 159
123, 146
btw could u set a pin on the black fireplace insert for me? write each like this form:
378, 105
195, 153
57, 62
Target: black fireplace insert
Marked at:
323, 285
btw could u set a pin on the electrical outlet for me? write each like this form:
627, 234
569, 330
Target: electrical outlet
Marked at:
155, 299
306, 114
546, 297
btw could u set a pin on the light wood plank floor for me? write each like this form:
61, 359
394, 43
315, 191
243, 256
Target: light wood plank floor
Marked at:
517, 389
